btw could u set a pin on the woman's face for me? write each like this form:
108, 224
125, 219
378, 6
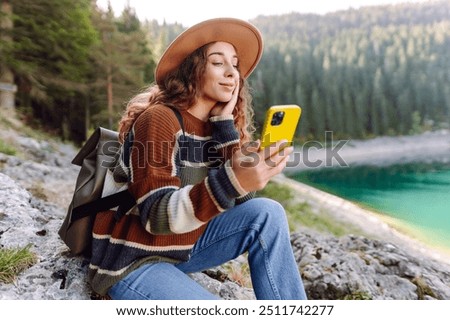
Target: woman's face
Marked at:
221, 73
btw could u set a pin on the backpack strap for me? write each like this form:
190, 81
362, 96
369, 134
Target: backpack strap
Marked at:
178, 115
123, 198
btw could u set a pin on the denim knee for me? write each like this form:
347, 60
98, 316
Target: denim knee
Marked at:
268, 210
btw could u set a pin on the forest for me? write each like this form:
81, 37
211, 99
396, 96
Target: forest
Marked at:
381, 70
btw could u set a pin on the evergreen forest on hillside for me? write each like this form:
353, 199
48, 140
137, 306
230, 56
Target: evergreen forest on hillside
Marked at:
360, 73
380, 70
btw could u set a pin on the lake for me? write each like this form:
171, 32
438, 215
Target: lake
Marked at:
416, 194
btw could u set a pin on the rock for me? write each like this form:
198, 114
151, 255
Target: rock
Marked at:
226, 290
356, 267
35, 192
56, 275
21, 224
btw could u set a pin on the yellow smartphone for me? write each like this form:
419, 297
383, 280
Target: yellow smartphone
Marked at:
280, 123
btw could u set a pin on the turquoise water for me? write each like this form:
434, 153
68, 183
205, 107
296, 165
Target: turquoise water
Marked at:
415, 193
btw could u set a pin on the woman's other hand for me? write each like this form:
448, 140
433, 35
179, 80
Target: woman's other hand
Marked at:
254, 168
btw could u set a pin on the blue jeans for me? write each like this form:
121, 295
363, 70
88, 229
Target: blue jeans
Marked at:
258, 226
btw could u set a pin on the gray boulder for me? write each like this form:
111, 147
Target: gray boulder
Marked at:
36, 189
354, 267
25, 219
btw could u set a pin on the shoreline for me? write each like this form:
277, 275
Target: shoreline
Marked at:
380, 151
371, 223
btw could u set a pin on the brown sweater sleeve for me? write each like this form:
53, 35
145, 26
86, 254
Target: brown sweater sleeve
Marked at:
165, 206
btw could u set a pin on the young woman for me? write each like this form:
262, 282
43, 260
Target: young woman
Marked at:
194, 180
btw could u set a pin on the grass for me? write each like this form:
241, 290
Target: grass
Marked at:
239, 273
302, 214
423, 289
38, 191
7, 149
359, 295
19, 124
27, 129
14, 261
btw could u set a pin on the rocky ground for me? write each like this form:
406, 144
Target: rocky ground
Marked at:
35, 188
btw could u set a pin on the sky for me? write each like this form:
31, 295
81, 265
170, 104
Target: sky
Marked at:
189, 12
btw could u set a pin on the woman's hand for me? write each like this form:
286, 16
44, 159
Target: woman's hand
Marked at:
254, 168
222, 108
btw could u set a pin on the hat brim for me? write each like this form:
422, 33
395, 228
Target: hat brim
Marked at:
245, 37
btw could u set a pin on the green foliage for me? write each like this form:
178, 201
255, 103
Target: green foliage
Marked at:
7, 149
122, 60
14, 261
75, 65
49, 56
416, 123
280, 193
358, 73
359, 295
52, 39
300, 213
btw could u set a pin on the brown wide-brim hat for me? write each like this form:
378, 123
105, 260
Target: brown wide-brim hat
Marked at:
244, 36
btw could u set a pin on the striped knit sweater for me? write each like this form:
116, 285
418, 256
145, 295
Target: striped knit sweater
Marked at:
180, 182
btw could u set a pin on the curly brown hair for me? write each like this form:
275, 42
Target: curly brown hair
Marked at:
180, 89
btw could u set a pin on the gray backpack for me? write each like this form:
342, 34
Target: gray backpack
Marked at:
101, 152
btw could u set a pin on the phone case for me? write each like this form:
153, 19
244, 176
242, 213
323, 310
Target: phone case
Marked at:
272, 131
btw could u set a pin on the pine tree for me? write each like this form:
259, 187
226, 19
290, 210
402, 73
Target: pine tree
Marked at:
123, 63
49, 59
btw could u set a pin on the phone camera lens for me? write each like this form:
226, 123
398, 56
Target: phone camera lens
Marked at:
277, 118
